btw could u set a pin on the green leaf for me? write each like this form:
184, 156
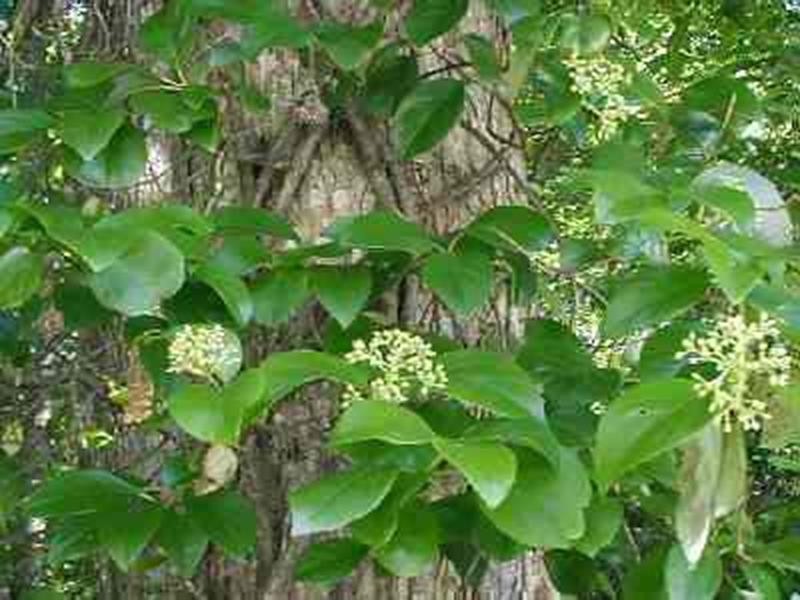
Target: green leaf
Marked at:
21, 273
732, 486
231, 289
698, 482
414, 547
284, 372
696, 582
244, 219
651, 296
376, 420
7, 220
21, 127
383, 230
530, 433
42, 594
278, 294
735, 273
227, 518
462, 280
216, 416
783, 428
647, 420
149, 271
764, 581
390, 77
586, 34
343, 291
125, 535
512, 228
646, 579
90, 74
165, 110
483, 56
552, 351
492, 380
545, 507
489, 467
378, 527
604, 517
82, 492
784, 553
657, 360
206, 134
336, 500
347, 45
183, 541
88, 132
427, 114
572, 573
428, 19
326, 563
121, 163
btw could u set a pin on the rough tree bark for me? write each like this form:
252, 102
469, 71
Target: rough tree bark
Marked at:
315, 168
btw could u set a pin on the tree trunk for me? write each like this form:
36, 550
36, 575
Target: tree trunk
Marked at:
315, 168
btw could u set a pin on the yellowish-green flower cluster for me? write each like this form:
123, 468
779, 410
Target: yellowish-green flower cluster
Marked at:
601, 82
206, 351
749, 360
404, 364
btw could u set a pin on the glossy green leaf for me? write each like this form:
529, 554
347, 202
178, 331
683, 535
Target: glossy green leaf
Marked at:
90, 74
651, 296
462, 280
483, 56
545, 507
23, 121
586, 34
183, 541
646, 579
336, 500
390, 76
231, 289
377, 420
764, 581
732, 486
326, 563
378, 527
244, 219
647, 420
82, 492
216, 416
125, 535
165, 110
698, 483
88, 132
284, 372
21, 274
414, 547
427, 114
604, 518
228, 519
489, 467
347, 45
696, 582
149, 271
513, 228
428, 19
657, 358
343, 291
278, 294
121, 163
531, 433
492, 380
383, 230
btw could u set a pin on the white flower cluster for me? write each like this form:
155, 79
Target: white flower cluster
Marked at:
601, 82
206, 351
404, 364
749, 359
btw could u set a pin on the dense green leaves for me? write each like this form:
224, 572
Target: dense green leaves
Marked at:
427, 114
651, 296
349, 46
545, 508
336, 500
413, 548
120, 164
278, 294
182, 540
343, 291
124, 535
644, 422
88, 132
